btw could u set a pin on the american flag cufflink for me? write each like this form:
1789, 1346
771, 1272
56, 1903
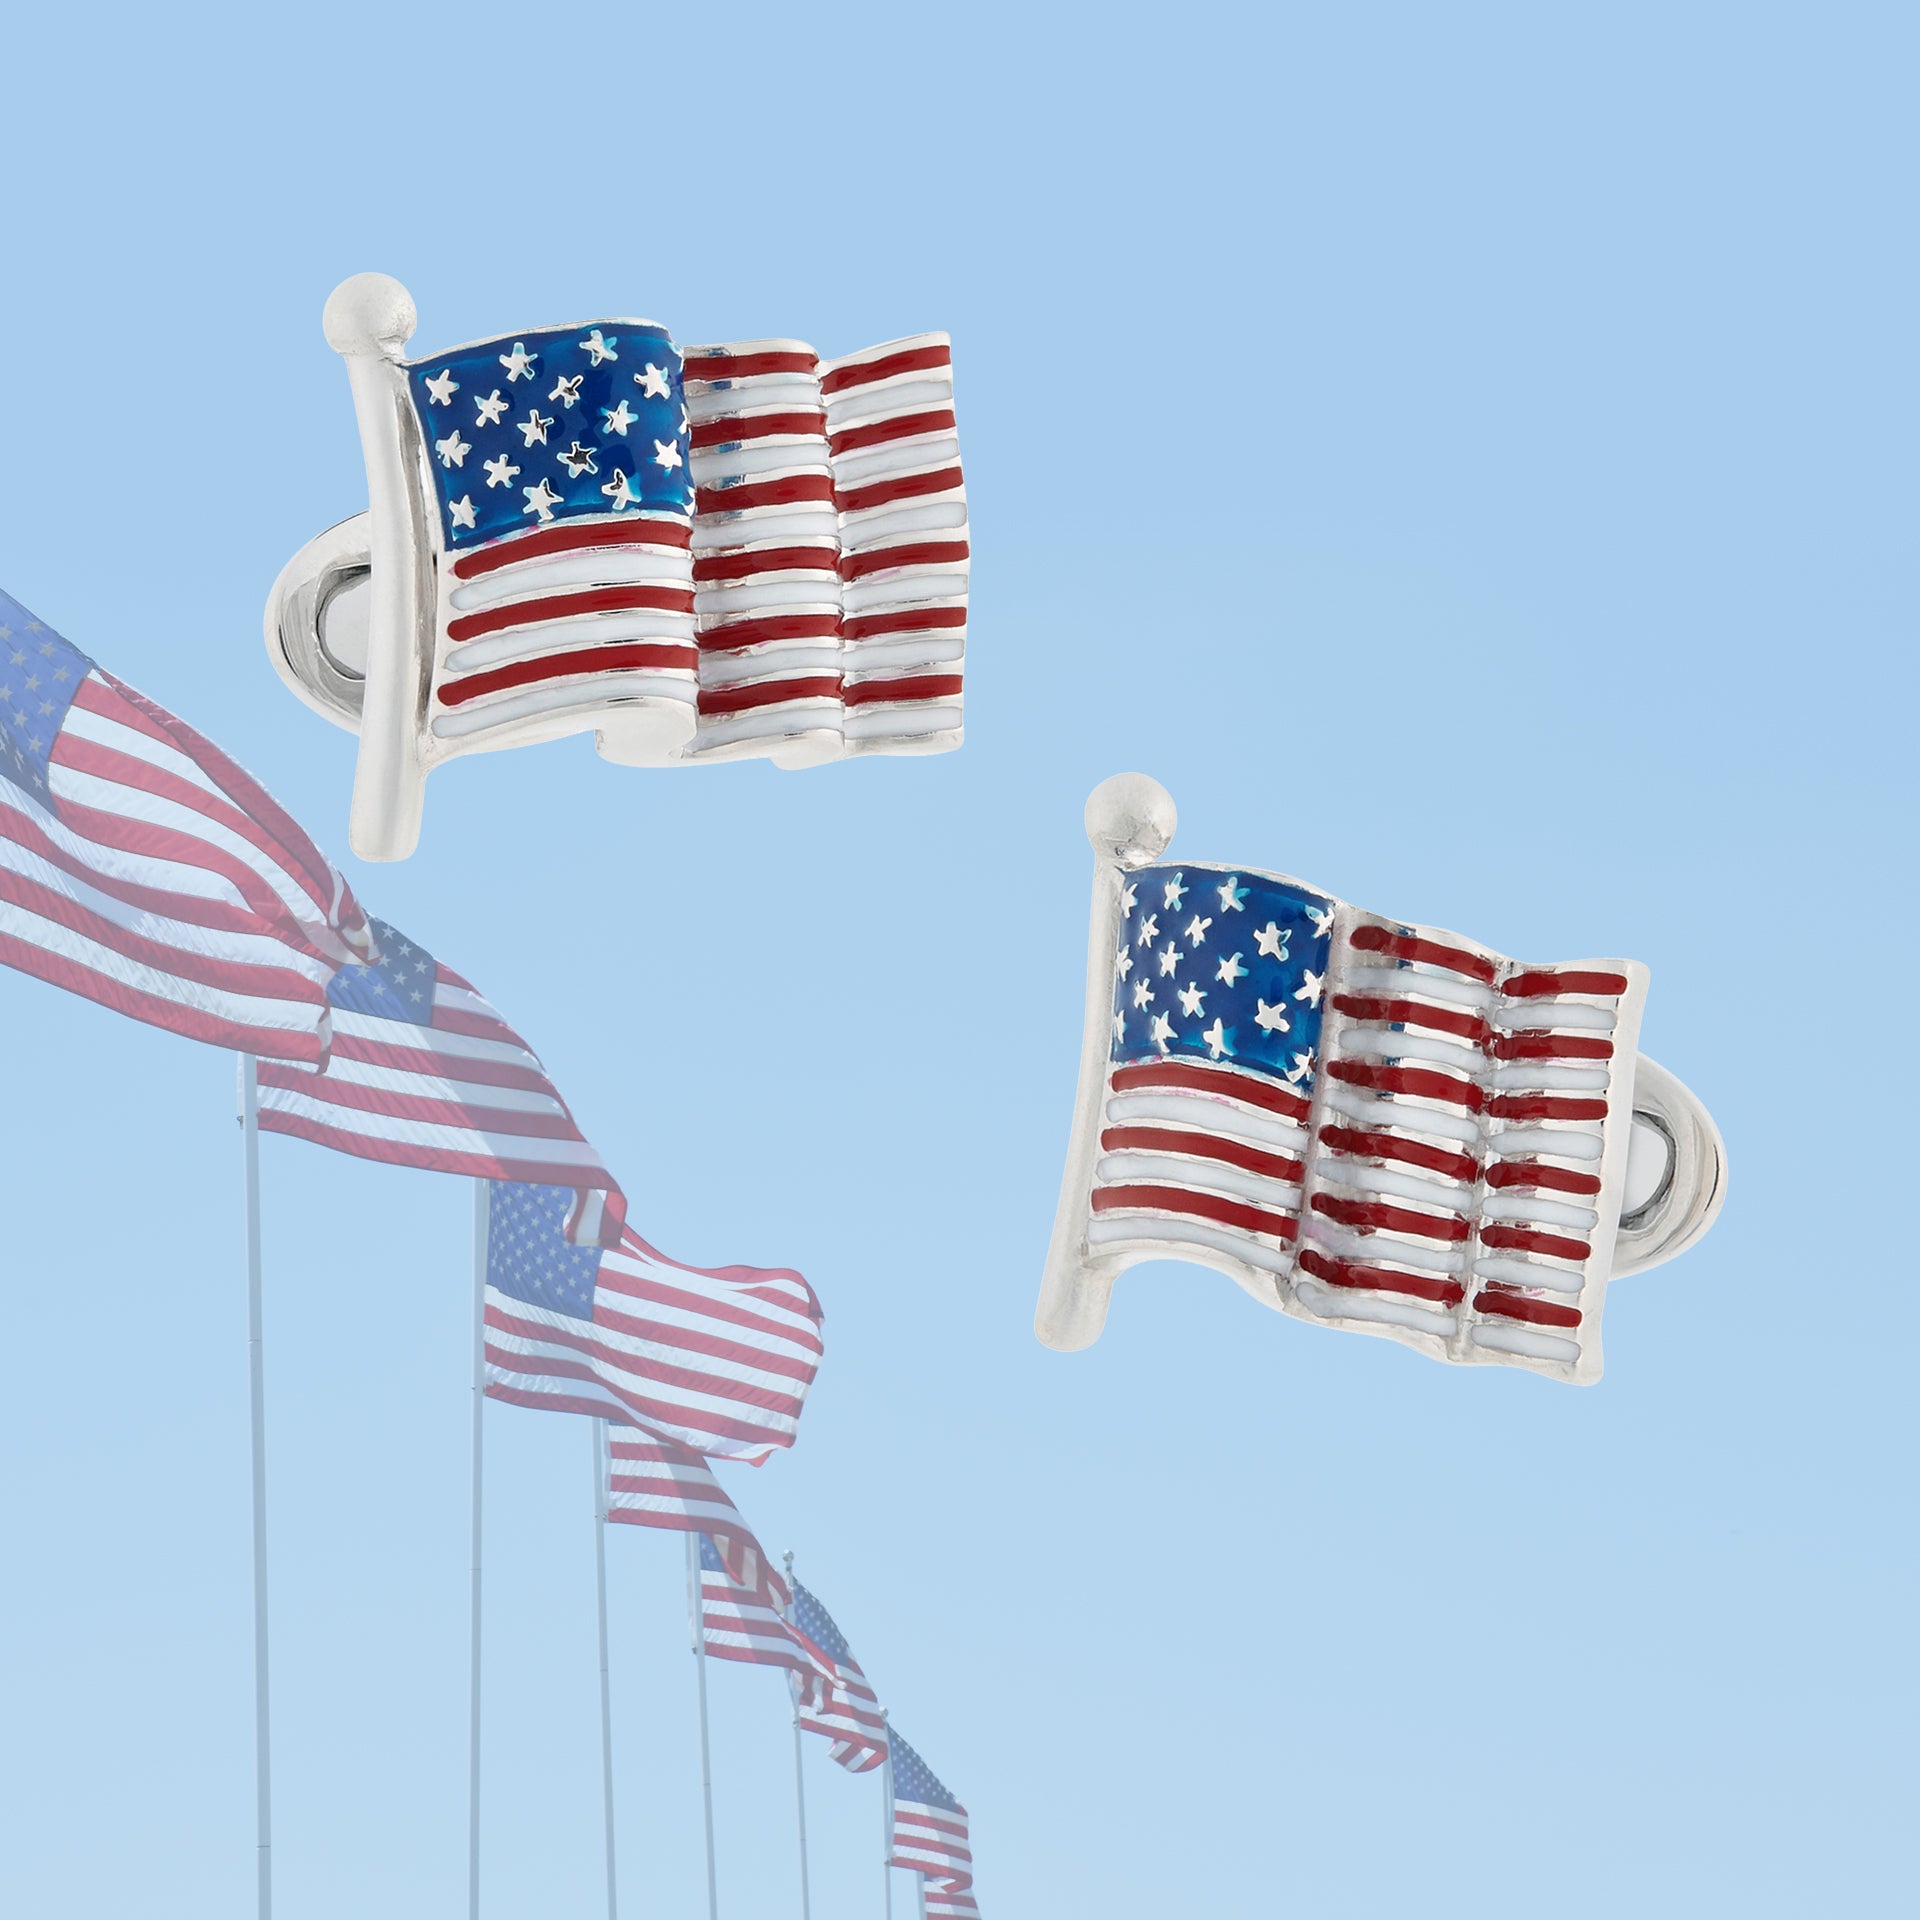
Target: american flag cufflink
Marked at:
1368, 1124
695, 554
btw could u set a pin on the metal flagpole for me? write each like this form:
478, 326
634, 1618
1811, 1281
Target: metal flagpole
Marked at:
257, 1405
886, 1815
800, 1781
480, 1197
606, 1691
920, 1887
706, 1758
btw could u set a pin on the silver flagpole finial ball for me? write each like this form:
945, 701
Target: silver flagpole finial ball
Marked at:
1130, 818
372, 312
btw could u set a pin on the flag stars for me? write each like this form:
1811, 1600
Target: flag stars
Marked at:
1173, 893
620, 491
578, 460
488, 409
1160, 1031
533, 429
1310, 986
1169, 959
618, 419
1219, 1041
1129, 898
1123, 962
500, 472
1270, 1019
566, 391
600, 346
1197, 930
1271, 941
1142, 994
452, 450
666, 454
541, 500
653, 383
1322, 918
1230, 970
1233, 896
1302, 1067
1190, 999
461, 511
519, 363
442, 387
1149, 931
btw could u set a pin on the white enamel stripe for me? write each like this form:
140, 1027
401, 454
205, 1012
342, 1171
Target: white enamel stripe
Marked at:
596, 567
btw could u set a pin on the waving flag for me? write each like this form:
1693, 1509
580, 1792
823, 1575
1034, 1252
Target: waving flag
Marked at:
655, 1483
718, 1359
930, 1831
741, 1624
425, 1073
844, 1710
142, 868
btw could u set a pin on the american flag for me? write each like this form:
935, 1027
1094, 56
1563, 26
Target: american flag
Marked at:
142, 868
425, 1073
718, 1359
653, 1482
739, 1624
1385, 1125
830, 547
559, 467
845, 1711
930, 1830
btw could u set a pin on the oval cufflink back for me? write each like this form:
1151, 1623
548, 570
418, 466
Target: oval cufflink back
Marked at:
318, 618
1676, 1172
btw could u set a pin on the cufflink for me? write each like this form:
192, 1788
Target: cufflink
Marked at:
694, 554
1369, 1124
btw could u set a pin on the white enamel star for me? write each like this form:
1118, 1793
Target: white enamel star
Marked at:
1232, 894
518, 363
500, 472
534, 427
567, 391
541, 500
597, 344
1173, 893
488, 409
1216, 1039
1149, 932
1142, 992
666, 453
443, 386
1161, 1031
1123, 962
1270, 1019
653, 383
1197, 929
1271, 942
1169, 958
1302, 1065
1310, 986
452, 450
619, 418
461, 511
620, 491
1190, 999
1129, 894
577, 460
1322, 918
1230, 970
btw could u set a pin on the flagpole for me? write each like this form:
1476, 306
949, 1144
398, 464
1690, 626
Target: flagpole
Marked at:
886, 1816
606, 1690
479, 1386
920, 1888
694, 1611
799, 1779
257, 1414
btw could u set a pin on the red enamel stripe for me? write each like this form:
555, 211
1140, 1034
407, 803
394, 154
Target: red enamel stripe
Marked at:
912, 360
1231, 1153
924, 686
1410, 1153
1552, 1046
1414, 1013
1375, 1216
878, 433
744, 366
1370, 1279
1544, 1106
1536, 1173
548, 541
769, 693
1418, 1081
1544, 985
731, 428
905, 486
1152, 1074
643, 656
1521, 1306
739, 496
759, 628
1203, 1206
567, 606
742, 562
1556, 1246
1407, 946
865, 626
920, 553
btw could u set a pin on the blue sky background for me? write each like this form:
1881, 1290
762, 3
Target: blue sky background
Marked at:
1467, 454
